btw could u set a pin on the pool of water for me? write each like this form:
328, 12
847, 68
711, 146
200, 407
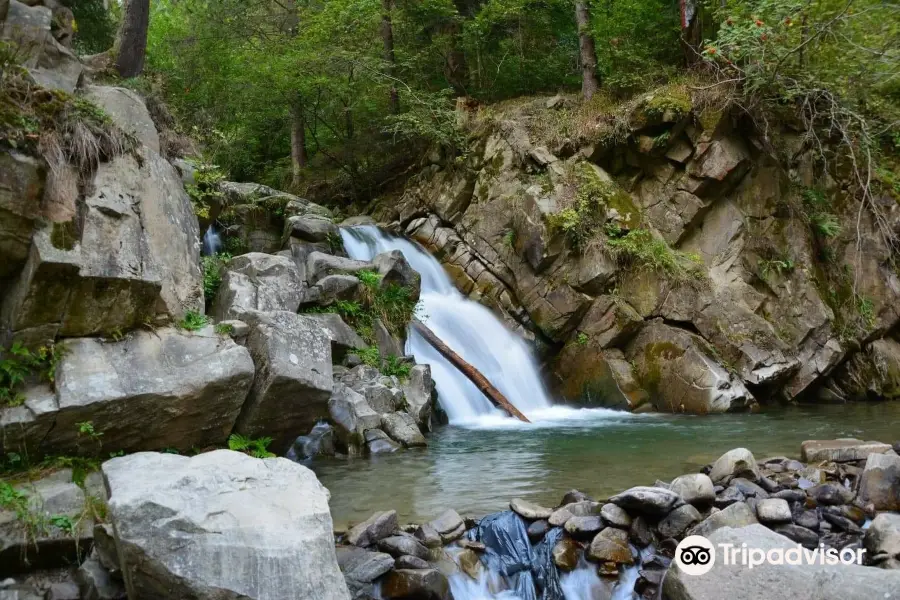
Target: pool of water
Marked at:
478, 469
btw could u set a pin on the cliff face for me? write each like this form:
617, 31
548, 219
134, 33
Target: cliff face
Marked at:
665, 256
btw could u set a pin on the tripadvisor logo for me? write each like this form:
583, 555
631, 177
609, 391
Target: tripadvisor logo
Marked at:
695, 555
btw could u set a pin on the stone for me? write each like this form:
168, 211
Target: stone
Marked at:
470, 564
808, 519
841, 450
611, 545
449, 525
395, 270
530, 510
418, 391
651, 501
400, 545
402, 428
377, 527
681, 374
615, 515
362, 567
773, 510
583, 527
830, 494
22, 182
163, 389
823, 582
748, 488
880, 482
65, 590
801, 535
126, 109
343, 339
23, 549
294, 379
257, 282
416, 584
319, 265
566, 554
676, 522
310, 228
537, 530
105, 547
378, 442
223, 508
95, 583
882, 540
840, 523
135, 254
734, 463
728, 496
573, 496
352, 417
411, 562
695, 488
429, 536
738, 514
791, 495
870, 374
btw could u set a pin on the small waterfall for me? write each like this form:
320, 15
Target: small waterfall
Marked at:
212, 242
468, 328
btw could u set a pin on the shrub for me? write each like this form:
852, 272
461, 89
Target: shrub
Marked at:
193, 321
640, 249
258, 448
18, 364
212, 266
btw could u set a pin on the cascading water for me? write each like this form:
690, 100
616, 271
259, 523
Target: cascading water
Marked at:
212, 242
468, 328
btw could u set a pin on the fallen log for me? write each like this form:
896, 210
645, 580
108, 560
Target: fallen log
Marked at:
480, 381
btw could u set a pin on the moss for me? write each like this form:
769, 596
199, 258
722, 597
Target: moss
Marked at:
64, 235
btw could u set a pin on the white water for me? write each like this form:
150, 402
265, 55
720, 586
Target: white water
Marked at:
212, 242
468, 328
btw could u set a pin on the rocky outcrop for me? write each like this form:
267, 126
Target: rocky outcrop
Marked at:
222, 525
163, 389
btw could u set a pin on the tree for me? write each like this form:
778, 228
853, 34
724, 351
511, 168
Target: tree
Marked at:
588, 53
390, 59
131, 44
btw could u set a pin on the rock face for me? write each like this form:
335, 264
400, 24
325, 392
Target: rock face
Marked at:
219, 536
127, 110
880, 482
162, 389
825, 582
257, 282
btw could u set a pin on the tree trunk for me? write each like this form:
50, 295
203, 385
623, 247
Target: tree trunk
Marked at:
387, 39
480, 381
589, 81
298, 141
131, 43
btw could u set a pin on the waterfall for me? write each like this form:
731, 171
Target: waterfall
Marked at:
212, 242
469, 328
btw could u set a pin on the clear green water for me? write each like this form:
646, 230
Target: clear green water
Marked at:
477, 471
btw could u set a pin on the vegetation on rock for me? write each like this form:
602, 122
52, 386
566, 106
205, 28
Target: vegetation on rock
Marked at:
19, 365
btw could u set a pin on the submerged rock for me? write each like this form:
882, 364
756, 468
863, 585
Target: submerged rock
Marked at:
275, 546
611, 545
416, 584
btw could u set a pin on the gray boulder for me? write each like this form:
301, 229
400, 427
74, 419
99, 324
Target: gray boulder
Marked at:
362, 567
293, 382
257, 282
320, 265
530, 510
378, 442
734, 463
343, 339
21, 196
840, 450
223, 525
310, 228
652, 501
352, 417
737, 582
449, 525
773, 510
676, 522
402, 545
880, 482
163, 389
379, 526
738, 514
695, 488
126, 109
416, 584
402, 428
882, 541
418, 391
96, 583
394, 269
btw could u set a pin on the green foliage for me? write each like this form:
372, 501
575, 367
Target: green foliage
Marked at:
816, 208
779, 266
206, 191
396, 367
193, 321
258, 448
224, 328
18, 365
212, 266
95, 26
370, 279
63, 522
581, 339
642, 250
370, 356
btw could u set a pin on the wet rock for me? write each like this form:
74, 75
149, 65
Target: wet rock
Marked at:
418, 392
530, 510
583, 527
676, 522
472, 545
882, 541
362, 567
652, 501
839, 523
830, 494
429, 536
411, 562
573, 496
95, 583
615, 515
377, 527
807, 518
841, 450
378, 442
641, 533
217, 518
791, 495
801, 535
695, 488
611, 545
537, 531
399, 545
470, 564
402, 427
880, 482
736, 582
734, 463
736, 515
566, 554
449, 525
416, 584
773, 510
352, 417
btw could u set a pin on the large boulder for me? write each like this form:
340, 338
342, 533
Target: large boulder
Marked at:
880, 482
679, 370
361, 568
418, 392
872, 374
126, 109
134, 253
152, 390
840, 450
221, 525
882, 541
738, 462
737, 582
293, 383
257, 282
352, 417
